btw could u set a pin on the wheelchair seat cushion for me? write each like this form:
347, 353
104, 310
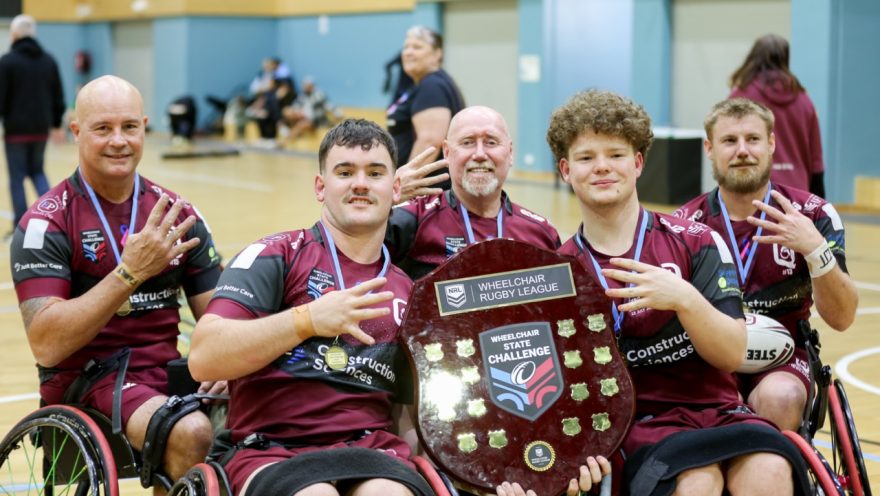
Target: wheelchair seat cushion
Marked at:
652, 470
344, 466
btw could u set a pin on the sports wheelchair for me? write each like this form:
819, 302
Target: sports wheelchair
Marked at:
69, 449
845, 473
209, 479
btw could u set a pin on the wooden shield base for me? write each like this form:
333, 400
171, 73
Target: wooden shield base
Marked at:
478, 441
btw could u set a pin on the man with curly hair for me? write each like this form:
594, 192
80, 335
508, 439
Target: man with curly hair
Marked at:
677, 312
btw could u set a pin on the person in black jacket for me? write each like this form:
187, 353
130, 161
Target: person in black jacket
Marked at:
31, 102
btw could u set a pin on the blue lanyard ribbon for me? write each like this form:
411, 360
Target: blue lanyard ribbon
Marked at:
748, 250
579, 239
331, 247
131, 223
467, 223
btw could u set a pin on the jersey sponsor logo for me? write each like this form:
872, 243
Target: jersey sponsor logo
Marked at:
681, 213
64, 199
667, 347
234, 289
435, 202
368, 367
319, 283
797, 206
526, 378
674, 228
398, 307
454, 244
246, 258
812, 203
36, 266
727, 281
94, 246
35, 234
299, 239
696, 216
48, 206
273, 238
697, 229
532, 215
784, 257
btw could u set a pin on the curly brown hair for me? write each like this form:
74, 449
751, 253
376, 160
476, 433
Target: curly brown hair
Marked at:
601, 112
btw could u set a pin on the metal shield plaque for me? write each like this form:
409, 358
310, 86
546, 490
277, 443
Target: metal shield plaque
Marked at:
518, 374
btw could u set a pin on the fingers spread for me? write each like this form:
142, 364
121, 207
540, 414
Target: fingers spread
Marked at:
367, 286
156, 213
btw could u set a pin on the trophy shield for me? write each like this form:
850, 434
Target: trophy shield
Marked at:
517, 372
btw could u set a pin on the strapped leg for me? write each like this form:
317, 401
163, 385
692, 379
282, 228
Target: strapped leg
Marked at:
158, 430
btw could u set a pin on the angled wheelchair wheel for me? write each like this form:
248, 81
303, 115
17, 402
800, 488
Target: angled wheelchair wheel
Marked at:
822, 478
849, 463
57, 450
202, 480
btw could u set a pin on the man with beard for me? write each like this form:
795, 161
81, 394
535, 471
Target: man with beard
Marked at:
423, 232
788, 245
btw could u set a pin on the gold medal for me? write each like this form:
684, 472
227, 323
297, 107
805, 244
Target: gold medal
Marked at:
124, 309
336, 357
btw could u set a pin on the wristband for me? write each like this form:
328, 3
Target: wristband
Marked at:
124, 274
302, 322
821, 261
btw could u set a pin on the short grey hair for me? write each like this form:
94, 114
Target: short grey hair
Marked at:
23, 26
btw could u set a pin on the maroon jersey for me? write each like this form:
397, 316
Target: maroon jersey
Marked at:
60, 249
425, 231
298, 398
665, 367
778, 284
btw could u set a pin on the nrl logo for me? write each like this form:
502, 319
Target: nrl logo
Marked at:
524, 371
455, 295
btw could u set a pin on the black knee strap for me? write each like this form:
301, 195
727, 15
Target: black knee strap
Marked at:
158, 431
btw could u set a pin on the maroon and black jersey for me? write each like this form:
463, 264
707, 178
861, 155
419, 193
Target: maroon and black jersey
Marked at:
665, 367
425, 231
60, 249
298, 398
778, 284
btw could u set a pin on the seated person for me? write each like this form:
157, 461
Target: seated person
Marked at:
676, 304
310, 110
98, 263
304, 325
182, 113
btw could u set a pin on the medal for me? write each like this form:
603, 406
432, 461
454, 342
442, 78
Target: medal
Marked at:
336, 357
124, 309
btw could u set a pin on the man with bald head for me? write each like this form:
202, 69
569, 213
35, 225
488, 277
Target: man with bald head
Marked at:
424, 231
98, 262
31, 103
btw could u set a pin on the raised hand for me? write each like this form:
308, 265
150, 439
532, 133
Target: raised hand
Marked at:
652, 287
414, 179
149, 251
340, 312
789, 227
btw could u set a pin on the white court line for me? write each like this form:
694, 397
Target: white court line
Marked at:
842, 370
868, 311
867, 285
19, 397
204, 178
865, 455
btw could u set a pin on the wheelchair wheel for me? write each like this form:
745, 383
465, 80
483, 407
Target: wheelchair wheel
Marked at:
57, 450
822, 477
850, 466
201, 480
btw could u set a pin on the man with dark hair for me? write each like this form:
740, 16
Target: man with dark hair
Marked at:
425, 231
300, 328
675, 302
788, 245
31, 102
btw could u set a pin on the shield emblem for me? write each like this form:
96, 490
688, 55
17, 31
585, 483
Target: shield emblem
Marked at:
516, 367
523, 369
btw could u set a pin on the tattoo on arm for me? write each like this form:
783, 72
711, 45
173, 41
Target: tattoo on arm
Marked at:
29, 308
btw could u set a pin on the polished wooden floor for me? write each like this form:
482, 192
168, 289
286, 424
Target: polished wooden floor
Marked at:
256, 193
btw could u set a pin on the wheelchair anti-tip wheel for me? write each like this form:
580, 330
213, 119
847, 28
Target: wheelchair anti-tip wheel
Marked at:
57, 450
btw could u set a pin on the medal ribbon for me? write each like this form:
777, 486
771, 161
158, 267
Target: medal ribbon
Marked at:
105, 224
331, 247
579, 239
748, 249
467, 223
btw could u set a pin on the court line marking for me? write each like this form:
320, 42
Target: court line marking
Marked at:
866, 456
19, 397
204, 178
842, 370
867, 285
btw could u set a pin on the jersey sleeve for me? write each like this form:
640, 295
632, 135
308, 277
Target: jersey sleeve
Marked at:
830, 225
40, 259
401, 232
432, 93
203, 261
252, 285
714, 275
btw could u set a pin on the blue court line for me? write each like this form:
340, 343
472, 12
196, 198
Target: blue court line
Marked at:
867, 456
